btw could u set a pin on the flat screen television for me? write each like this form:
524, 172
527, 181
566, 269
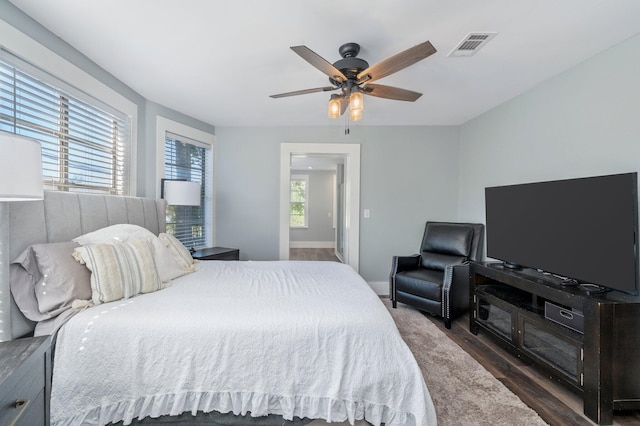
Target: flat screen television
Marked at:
583, 229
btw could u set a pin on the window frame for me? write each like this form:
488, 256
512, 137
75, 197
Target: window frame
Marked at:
305, 179
166, 126
26, 48
69, 124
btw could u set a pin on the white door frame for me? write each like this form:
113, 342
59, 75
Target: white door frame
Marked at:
352, 193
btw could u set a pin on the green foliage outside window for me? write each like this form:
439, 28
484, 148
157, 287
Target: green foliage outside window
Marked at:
297, 203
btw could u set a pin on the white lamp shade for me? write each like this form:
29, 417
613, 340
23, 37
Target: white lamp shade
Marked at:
20, 168
181, 193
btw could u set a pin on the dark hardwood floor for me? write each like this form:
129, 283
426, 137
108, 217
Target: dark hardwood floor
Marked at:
553, 402
325, 254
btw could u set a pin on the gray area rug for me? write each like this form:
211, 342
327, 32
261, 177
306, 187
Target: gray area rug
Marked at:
463, 392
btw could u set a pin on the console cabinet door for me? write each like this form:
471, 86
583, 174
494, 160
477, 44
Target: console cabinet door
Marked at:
497, 317
561, 350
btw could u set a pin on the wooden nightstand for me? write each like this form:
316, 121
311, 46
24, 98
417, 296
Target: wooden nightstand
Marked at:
25, 384
217, 253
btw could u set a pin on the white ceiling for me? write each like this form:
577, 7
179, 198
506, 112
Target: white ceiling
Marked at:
219, 61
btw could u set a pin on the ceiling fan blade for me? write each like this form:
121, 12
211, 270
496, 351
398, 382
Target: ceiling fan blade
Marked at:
304, 92
319, 62
389, 92
397, 62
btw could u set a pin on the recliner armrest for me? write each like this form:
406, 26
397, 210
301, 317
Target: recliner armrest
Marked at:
461, 274
399, 264
404, 263
456, 294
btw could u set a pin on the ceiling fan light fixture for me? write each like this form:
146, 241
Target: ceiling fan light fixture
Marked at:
334, 107
355, 114
350, 72
356, 102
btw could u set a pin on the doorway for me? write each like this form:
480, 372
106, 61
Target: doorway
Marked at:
317, 209
350, 229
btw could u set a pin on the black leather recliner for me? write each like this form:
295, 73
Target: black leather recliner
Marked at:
437, 280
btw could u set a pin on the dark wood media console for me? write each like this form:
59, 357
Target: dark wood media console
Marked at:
588, 342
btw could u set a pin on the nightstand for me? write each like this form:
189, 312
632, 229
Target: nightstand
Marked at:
25, 381
217, 253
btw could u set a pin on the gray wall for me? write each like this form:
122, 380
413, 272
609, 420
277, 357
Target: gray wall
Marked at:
408, 175
584, 122
320, 203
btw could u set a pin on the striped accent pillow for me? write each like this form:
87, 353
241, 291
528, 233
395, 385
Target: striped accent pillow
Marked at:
179, 251
119, 271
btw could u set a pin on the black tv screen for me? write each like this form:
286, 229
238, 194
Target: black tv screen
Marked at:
583, 229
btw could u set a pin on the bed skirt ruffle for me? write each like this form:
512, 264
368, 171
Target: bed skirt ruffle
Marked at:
251, 404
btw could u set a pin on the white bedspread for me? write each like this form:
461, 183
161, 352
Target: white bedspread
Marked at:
307, 339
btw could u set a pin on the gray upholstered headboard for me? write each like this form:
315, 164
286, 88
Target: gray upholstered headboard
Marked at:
60, 217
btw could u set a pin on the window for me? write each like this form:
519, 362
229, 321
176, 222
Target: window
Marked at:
190, 160
298, 201
85, 143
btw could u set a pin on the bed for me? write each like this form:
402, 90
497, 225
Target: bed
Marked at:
280, 340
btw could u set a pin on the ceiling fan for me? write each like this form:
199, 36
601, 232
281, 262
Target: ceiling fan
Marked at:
353, 76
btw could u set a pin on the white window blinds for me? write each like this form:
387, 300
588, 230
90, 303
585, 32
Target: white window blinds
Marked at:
85, 143
190, 160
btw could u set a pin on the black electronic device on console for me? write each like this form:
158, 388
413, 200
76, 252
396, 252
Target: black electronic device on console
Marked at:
593, 289
564, 316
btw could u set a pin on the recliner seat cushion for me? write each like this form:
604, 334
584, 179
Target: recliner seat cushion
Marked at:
421, 282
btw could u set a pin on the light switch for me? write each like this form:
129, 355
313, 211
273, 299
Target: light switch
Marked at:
367, 214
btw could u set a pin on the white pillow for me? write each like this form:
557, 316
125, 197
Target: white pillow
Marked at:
119, 271
180, 252
120, 233
168, 267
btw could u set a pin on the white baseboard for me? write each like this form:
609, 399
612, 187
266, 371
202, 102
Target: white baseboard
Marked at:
380, 287
312, 244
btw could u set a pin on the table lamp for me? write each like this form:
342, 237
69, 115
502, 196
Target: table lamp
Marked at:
181, 192
20, 180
